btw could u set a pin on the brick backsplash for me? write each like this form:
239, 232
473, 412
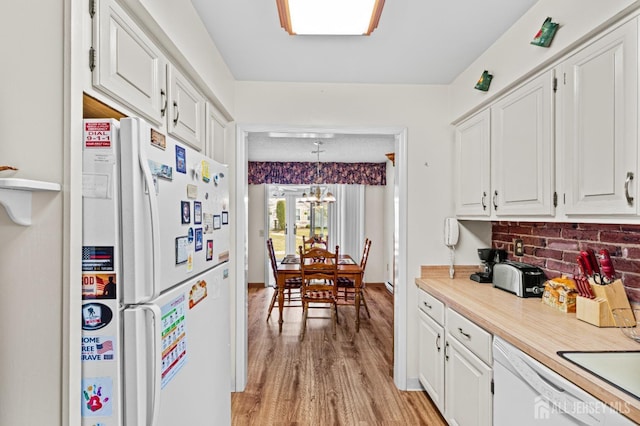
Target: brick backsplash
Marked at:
554, 247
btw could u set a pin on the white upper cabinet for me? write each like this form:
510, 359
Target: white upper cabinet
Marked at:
186, 116
128, 65
473, 168
600, 119
522, 150
216, 134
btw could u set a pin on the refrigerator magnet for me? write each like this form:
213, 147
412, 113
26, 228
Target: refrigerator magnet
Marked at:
192, 191
207, 219
225, 218
181, 159
95, 316
198, 239
206, 177
181, 249
190, 235
185, 208
209, 249
158, 140
197, 293
197, 212
216, 221
161, 170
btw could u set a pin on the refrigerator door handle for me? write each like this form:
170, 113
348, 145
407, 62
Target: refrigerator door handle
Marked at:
142, 366
155, 222
154, 382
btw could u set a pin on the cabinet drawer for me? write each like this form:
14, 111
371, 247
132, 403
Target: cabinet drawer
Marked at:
431, 306
476, 339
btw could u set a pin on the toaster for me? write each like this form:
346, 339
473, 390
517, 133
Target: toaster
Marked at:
521, 279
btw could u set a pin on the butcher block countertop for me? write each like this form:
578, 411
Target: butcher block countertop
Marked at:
536, 329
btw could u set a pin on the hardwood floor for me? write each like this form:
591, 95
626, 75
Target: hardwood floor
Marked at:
323, 380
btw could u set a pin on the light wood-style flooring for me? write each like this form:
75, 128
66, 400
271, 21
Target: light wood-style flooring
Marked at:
346, 380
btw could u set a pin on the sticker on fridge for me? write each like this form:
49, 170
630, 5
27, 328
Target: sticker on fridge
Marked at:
97, 134
98, 286
98, 348
97, 258
97, 396
174, 338
95, 316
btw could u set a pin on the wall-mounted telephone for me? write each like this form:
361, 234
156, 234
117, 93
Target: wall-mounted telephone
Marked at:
451, 234
451, 231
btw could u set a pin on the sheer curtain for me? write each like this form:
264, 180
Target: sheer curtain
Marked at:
346, 220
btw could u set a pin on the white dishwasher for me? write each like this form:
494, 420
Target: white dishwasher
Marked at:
529, 393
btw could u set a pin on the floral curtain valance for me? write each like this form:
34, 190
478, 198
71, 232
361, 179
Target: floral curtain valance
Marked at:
304, 173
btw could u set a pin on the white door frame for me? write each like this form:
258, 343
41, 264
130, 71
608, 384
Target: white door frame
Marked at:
400, 238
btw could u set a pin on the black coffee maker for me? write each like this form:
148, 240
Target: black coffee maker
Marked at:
488, 257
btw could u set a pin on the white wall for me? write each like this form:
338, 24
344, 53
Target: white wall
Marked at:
256, 234
374, 230
512, 55
31, 260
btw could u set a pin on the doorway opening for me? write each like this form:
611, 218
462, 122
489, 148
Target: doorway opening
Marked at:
397, 246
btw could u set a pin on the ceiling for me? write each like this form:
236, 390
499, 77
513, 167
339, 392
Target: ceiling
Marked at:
343, 147
416, 42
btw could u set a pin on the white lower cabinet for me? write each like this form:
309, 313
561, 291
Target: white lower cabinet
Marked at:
431, 360
454, 363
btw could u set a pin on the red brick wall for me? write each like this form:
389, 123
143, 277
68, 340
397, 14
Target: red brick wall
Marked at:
554, 247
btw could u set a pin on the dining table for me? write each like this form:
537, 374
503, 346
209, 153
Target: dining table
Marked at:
289, 267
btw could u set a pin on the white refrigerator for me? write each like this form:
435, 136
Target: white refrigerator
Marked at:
155, 286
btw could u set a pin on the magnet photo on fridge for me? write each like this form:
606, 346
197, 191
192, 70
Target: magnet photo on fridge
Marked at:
198, 239
181, 159
197, 212
185, 209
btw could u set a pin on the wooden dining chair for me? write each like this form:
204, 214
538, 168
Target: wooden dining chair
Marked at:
314, 241
319, 271
291, 285
347, 287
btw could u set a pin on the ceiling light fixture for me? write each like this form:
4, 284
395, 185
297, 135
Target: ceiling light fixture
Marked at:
301, 135
329, 17
316, 192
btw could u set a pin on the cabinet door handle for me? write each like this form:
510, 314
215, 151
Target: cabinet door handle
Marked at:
175, 106
495, 200
467, 335
163, 96
484, 196
626, 188
438, 342
428, 306
446, 351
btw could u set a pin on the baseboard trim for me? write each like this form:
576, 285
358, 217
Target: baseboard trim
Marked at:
255, 285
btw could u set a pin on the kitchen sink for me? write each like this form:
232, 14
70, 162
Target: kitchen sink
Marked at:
619, 368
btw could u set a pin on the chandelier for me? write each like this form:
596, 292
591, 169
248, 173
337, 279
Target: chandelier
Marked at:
317, 193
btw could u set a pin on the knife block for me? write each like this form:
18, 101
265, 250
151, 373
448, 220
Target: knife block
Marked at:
598, 311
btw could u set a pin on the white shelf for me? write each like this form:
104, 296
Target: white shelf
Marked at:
16, 194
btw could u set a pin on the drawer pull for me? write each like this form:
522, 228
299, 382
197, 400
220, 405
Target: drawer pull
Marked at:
467, 335
438, 342
446, 351
427, 305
